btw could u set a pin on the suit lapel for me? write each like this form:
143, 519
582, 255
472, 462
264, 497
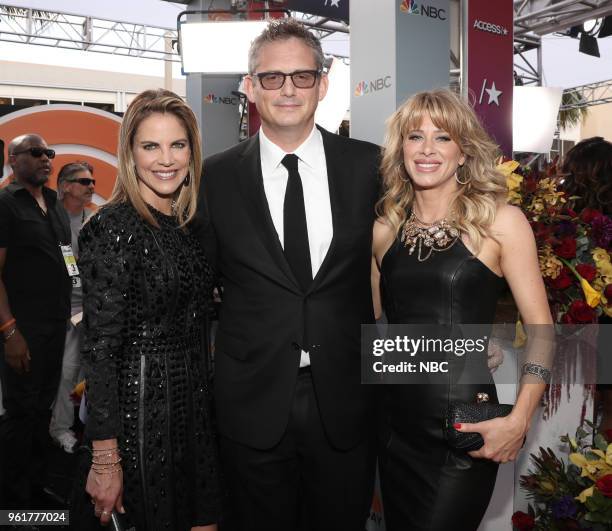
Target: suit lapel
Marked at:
337, 179
251, 187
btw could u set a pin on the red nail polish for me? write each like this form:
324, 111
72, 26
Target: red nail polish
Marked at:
457, 426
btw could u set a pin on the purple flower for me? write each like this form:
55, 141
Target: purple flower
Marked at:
564, 508
566, 228
601, 232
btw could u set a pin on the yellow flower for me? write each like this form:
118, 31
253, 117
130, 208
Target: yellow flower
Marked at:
514, 181
550, 265
520, 337
592, 296
600, 256
514, 198
508, 167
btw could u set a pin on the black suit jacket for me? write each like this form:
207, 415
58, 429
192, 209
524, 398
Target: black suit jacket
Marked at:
264, 310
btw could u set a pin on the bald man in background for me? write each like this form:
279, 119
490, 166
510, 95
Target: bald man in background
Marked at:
36, 267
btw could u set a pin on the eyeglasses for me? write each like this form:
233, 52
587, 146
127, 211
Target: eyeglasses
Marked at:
85, 181
303, 79
37, 152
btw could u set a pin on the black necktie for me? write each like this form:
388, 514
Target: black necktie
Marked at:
296, 246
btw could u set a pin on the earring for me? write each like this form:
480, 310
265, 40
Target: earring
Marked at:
187, 180
459, 181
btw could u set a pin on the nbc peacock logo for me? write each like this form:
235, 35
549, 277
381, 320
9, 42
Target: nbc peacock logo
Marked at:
222, 100
409, 7
360, 89
364, 88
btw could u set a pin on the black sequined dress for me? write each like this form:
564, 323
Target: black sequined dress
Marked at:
426, 486
146, 298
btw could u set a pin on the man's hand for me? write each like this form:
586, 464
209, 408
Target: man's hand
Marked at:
16, 353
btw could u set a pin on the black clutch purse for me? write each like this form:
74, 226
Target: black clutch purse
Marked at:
466, 412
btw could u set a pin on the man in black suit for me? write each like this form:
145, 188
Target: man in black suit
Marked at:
289, 218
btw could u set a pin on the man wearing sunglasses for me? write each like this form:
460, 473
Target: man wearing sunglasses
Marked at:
290, 215
35, 290
75, 187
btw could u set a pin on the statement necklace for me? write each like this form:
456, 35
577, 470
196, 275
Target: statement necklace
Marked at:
428, 237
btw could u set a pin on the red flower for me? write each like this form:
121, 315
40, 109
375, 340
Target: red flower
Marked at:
541, 231
608, 294
530, 184
566, 318
581, 312
587, 271
571, 213
589, 214
604, 485
563, 280
523, 521
567, 248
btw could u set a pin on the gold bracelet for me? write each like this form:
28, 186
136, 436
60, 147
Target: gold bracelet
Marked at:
105, 449
108, 473
105, 465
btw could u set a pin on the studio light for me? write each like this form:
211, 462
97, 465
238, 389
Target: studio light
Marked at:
588, 45
606, 28
219, 47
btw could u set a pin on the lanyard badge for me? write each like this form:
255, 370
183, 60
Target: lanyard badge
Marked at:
71, 265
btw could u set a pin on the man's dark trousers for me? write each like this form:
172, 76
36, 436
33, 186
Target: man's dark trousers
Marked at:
27, 397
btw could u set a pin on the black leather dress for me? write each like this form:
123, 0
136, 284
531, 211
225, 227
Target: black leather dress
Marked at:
146, 298
425, 484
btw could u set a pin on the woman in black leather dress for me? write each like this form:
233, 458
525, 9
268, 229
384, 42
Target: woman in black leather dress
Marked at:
439, 173
146, 295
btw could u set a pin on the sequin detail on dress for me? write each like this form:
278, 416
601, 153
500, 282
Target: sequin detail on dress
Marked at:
146, 302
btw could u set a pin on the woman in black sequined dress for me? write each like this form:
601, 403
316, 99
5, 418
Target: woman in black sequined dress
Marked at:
146, 296
440, 184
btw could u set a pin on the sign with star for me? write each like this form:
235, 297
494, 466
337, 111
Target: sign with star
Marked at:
490, 66
338, 9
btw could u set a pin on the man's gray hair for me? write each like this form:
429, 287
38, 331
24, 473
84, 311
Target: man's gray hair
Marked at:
281, 30
67, 173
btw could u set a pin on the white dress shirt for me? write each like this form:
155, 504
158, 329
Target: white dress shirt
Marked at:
313, 171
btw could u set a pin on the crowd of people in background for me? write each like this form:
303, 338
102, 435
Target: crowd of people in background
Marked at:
296, 222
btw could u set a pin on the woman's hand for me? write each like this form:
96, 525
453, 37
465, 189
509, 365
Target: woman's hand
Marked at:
503, 437
105, 480
106, 491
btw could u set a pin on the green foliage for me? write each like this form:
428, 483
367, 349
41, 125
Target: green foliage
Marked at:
574, 115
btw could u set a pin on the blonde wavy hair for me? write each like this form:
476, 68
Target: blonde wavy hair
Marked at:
126, 188
475, 206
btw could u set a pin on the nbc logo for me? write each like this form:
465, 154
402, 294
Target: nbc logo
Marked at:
412, 8
224, 100
367, 87
360, 89
409, 7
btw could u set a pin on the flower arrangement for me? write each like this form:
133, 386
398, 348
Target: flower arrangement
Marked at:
573, 496
573, 249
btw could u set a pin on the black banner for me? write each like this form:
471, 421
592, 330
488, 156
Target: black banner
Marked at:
338, 9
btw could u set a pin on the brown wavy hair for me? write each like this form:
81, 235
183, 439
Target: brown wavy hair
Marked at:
126, 186
588, 174
475, 206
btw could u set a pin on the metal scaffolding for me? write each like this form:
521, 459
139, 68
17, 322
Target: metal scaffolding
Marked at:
590, 94
540, 17
75, 32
